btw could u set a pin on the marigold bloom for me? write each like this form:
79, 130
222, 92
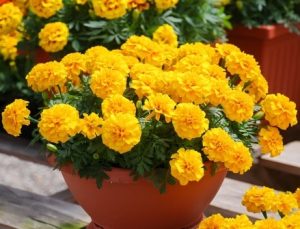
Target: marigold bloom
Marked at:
239, 159
258, 199
54, 36
46, 76
107, 82
165, 4
240, 63
75, 64
269, 223
14, 116
286, 202
93, 54
193, 88
140, 5
110, 9
292, 221
186, 166
59, 123
189, 121
165, 34
116, 104
219, 91
160, 104
45, 8
91, 125
213, 222
297, 196
202, 51
8, 45
279, 111
10, 18
240, 221
258, 88
270, 141
238, 106
217, 143
226, 49
217, 72
139, 70
121, 132
110, 61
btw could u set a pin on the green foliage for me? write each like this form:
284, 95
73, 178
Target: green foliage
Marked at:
253, 13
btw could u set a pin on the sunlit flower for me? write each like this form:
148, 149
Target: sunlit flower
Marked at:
269, 223
165, 34
213, 222
110, 9
14, 116
286, 202
91, 125
45, 8
270, 141
10, 18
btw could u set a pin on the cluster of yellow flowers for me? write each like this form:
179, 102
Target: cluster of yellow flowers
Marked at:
10, 20
261, 199
172, 84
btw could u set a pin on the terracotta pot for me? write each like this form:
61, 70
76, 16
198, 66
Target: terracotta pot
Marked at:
123, 203
278, 52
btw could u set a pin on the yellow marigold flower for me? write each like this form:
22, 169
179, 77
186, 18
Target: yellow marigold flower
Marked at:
141, 88
14, 116
286, 202
193, 88
140, 5
198, 64
46, 76
202, 51
226, 49
217, 143
110, 61
93, 54
165, 4
269, 223
59, 123
91, 125
270, 141
165, 34
292, 221
8, 45
189, 121
145, 49
216, 72
238, 106
116, 104
239, 159
279, 111
139, 70
75, 64
160, 104
239, 222
213, 222
258, 199
297, 196
258, 88
240, 63
121, 132
219, 91
10, 18
45, 8
54, 36
186, 166
107, 82
110, 9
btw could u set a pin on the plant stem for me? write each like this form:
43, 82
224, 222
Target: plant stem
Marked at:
265, 214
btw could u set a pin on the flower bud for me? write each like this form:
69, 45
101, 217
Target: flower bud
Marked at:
51, 148
258, 115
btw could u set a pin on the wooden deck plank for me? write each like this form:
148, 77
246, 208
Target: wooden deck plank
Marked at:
287, 162
20, 148
24, 210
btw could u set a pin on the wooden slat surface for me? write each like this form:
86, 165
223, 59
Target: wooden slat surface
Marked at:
20, 148
288, 161
25, 210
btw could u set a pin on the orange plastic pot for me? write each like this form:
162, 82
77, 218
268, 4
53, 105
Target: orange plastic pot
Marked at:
278, 52
126, 204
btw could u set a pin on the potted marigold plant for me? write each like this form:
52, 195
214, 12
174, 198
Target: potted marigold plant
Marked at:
36, 31
269, 30
152, 111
